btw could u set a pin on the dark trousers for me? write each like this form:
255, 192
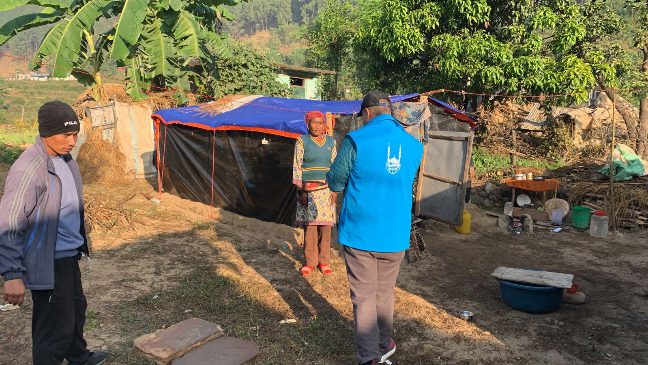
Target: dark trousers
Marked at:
372, 279
59, 317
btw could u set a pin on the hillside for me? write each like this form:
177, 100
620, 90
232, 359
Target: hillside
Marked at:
10, 64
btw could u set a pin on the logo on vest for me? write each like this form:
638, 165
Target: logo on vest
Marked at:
393, 164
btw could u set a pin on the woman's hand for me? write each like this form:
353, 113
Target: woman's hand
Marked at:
302, 197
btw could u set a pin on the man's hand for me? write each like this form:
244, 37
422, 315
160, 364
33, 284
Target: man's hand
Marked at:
14, 291
333, 197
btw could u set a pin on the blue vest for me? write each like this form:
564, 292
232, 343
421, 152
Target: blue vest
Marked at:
317, 159
376, 213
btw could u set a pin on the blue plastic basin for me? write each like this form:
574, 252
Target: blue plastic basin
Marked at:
530, 298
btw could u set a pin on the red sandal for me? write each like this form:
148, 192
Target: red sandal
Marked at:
325, 269
306, 270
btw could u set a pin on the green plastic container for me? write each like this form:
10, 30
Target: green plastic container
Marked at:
581, 216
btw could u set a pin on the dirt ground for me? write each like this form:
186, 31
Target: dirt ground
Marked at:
180, 259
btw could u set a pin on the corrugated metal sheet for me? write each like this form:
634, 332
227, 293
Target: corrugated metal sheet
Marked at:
537, 117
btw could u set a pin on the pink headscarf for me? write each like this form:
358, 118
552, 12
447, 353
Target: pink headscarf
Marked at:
314, 114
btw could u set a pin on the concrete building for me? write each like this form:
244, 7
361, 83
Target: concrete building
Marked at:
304, 82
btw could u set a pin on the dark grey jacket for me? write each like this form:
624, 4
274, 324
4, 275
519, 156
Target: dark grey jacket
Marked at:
29, 213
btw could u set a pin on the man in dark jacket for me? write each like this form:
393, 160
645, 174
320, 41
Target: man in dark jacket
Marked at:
42, 238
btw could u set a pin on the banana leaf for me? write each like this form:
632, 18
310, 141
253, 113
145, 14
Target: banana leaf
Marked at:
129, 28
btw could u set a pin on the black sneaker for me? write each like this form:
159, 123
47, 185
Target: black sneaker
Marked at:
97, 358
386, 352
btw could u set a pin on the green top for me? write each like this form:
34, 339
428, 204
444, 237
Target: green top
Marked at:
317, 157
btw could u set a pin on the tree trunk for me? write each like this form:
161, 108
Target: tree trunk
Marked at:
98, 86
642, 133
625, 109
642, 137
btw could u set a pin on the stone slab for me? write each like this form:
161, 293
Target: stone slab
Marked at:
168, 344
221, 351
555, 279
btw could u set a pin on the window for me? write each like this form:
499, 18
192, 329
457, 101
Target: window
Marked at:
296, 81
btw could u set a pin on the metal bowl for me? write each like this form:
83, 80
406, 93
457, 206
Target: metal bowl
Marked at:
465, 315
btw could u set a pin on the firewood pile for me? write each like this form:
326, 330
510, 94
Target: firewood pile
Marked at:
630, 203
103, 215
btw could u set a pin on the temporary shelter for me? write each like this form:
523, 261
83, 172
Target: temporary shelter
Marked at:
128, 128
239, 156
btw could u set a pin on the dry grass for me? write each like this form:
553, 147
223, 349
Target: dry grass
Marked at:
241, 273
500, 122
117, 92
629, 207
225, 103
101, 215
101, 161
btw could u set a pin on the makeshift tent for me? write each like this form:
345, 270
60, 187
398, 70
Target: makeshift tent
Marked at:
128, 128
240, 157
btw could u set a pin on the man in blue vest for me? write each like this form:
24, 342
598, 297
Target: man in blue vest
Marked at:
375, 167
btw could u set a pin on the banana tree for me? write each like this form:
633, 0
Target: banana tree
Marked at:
156, 40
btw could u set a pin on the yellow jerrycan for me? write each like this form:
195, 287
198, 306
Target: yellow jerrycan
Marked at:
464, 228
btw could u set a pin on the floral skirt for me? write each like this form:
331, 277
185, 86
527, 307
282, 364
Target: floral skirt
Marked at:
319, 211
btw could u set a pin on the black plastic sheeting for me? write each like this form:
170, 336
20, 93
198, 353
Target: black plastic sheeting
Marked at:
252, 171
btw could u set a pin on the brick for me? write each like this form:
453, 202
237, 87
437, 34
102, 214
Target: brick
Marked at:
222, 351
165, 345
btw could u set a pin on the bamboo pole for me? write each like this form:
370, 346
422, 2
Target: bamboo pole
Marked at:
512, 155
611, 193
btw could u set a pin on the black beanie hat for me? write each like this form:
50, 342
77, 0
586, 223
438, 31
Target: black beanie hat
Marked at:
56, 117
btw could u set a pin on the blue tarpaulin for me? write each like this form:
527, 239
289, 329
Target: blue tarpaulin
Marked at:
281, 116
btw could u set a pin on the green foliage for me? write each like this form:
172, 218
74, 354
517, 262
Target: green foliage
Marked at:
329, 36
3, 101
13, 137
28, 21
494, 47
305, 11
257, 15
129, 28
281, 45
488, 163
637, 76
25, 43
289, 33
23, 98
244, 72
9, 154
260, 15
156, 39
558, 137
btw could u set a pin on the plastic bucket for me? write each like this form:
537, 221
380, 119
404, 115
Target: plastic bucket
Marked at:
557, 216
530, 298
581, 216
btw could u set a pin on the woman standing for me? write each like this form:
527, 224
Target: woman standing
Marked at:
314, 153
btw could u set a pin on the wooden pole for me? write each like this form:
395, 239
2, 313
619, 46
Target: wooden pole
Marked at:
611, 193
512, 156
